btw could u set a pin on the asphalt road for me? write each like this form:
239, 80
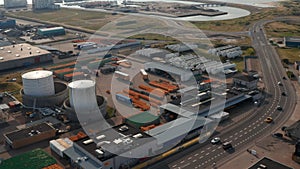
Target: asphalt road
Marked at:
250, 130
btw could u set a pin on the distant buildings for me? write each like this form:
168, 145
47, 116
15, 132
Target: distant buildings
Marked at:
15, 3
7, 23
55, 31
293, 42
44, 4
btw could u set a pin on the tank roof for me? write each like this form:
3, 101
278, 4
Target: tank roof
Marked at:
39, 74
82, 84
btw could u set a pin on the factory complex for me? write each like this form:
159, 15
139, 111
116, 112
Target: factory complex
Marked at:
120, 103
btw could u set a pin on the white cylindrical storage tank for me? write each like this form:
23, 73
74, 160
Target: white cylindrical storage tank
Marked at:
38, 83
82, 93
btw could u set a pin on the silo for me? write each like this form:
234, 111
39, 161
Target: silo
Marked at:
83, 90
38, 83
83, 100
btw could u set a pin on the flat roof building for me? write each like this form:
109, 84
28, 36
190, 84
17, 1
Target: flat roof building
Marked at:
30, 135
293, 42
15, 3
21, 55
269, 163
54, 31
248, 82
293, 131
184, 75
44, 4
7, 23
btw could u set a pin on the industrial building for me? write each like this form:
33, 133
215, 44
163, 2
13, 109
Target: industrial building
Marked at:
269, 163
15, 3
244, 81
31, 135
181, 47
54, 31
60, 145
152, 52
40, 90
227, 51
191, 61
182, 74
293, 42
21, 55
293, 131
7, 23
297, 65
44, 4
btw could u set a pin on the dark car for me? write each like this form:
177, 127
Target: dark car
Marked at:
227, 145
284, 78
277, 135
279, 108
283, 94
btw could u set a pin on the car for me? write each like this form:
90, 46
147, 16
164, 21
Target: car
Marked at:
279, 83
227, 145
279, 108
283, 94
277, 135
284, 78
215, 140
123, 128
269, 120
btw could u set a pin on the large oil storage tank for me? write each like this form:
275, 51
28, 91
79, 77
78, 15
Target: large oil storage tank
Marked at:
82, 98
40, 90
38, 83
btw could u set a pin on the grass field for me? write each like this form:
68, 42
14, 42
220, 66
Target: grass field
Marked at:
95, 20
285, 8
12, 87
35, 159
282, 29
73, 17
234, 25
292, 54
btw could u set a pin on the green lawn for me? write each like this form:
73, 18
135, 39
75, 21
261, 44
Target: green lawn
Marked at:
292, 54
73, 17
35, 159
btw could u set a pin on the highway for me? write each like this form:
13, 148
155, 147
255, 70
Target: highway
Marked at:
250, 130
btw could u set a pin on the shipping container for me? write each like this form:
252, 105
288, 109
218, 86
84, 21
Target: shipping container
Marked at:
107, 70
123, 98
122, 75
68, 77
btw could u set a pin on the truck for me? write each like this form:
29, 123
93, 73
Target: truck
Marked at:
122, 75
144, 74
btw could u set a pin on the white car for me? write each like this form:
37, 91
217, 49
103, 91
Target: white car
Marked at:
215, 140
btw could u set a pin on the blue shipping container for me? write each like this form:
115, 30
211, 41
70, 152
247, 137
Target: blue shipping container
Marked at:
123, 98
